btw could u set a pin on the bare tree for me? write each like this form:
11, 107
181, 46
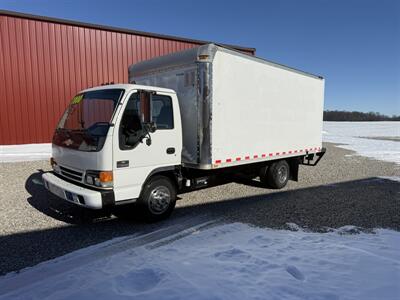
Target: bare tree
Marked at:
341, 115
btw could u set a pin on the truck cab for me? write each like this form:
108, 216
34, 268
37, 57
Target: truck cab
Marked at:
110, 140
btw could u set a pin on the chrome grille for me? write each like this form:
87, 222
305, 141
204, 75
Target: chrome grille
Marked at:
72, 174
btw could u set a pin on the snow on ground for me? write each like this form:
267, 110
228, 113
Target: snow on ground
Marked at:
232, 261
26, 152
378, 140
393, 178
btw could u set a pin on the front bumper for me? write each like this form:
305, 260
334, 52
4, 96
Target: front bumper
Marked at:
83, 196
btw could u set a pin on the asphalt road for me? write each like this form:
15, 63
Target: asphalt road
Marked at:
343, 189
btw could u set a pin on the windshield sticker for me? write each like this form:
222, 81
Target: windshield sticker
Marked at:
77, 99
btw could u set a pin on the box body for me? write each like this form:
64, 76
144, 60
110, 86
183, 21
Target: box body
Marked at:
236, 108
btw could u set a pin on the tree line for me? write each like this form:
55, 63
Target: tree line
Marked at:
341, 115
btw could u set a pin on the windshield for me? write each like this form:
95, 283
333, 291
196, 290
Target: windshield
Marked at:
86, 121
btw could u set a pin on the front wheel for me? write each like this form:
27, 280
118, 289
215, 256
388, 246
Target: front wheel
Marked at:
277, 175
157, 200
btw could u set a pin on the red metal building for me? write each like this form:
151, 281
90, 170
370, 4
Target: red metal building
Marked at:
45, 61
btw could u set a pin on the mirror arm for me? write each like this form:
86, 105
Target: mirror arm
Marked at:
146, 135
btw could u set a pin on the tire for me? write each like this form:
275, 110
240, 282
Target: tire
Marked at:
277, 175
157, 200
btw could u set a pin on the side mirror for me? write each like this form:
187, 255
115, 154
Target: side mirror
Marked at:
151, 127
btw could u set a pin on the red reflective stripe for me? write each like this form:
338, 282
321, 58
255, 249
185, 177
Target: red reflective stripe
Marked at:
270, 154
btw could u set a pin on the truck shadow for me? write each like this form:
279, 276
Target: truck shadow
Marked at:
366, 203
70, 213
369, 203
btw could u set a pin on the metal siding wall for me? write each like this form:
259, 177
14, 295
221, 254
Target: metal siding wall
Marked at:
44, 64
3, 114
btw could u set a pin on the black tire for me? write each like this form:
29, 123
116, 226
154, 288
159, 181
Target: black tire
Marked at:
157, 200
277, 175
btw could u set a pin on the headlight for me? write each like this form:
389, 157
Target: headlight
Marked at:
99, 178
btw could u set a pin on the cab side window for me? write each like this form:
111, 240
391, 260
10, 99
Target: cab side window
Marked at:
138, 111
130, 127
161, 112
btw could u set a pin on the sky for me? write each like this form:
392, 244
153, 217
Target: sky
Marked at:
353, 44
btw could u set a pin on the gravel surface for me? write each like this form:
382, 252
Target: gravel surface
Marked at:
342, 190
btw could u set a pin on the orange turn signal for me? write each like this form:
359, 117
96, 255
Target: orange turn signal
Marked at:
106, 176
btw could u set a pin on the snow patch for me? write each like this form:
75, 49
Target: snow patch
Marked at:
393, 178
293, 226
26, 152
232, 261
368, 139
296, 273
349, 229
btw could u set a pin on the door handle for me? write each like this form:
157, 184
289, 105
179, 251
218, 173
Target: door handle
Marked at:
122, 163
170, 150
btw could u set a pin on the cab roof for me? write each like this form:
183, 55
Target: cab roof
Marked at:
128, 87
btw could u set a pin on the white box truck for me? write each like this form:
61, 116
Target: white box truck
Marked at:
188, 120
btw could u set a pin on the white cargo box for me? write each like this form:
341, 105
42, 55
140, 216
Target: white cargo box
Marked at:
236, 108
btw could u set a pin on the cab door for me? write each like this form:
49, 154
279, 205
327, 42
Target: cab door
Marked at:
136, 151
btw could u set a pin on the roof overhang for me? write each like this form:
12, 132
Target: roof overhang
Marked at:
118, 29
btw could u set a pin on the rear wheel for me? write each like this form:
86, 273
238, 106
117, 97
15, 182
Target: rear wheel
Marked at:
277, 175
157, 200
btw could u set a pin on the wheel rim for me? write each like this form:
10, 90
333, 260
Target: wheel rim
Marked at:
282, 174
159, 200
